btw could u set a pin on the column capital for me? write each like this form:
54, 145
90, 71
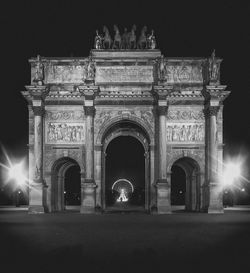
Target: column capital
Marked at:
211, 111
37, 92
88, 91
89, 110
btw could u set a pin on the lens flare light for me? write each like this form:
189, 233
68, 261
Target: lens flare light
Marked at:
16, 172
231, 173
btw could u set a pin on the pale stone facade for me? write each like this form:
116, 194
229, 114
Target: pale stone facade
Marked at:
173, 106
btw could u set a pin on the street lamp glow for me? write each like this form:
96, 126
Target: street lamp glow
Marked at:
232, 172
16, 173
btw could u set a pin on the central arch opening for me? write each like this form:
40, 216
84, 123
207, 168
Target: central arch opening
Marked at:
125, 174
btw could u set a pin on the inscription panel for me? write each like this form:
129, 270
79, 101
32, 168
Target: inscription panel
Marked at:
65, 133
125, 74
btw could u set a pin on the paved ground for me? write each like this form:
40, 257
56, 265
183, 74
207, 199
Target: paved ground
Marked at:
132, 242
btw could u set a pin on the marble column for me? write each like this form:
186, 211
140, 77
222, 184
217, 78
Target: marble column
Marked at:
89, 186
98, 176
162, 185
215, 195
36, 194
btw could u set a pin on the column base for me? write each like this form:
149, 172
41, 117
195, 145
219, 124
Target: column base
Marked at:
36, 209
87, 210
215, 210
163, 197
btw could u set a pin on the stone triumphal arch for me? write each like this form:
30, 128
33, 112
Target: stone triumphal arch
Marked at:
80, 108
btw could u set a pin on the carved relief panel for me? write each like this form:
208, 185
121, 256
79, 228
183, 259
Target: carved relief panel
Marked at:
181, 72
185, 125
65, 127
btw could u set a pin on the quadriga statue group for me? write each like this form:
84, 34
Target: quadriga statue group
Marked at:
127, 40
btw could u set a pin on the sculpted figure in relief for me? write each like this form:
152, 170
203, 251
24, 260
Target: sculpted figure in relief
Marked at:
185, 133
63, 132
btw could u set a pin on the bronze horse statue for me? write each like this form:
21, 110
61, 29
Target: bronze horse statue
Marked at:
132, 38
107, 41
142, 42
117, 39
125, 39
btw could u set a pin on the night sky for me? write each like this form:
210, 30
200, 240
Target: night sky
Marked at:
67, 28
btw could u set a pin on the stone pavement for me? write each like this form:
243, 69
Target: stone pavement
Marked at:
132, 242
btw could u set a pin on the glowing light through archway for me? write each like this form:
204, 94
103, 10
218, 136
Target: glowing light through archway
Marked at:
123, 189
123, 180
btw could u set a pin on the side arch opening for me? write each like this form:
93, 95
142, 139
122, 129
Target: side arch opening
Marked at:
185, 185
66, 185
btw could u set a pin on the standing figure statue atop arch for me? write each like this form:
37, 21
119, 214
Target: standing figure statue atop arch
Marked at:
151, 41
214, 67
98, 41
39, 74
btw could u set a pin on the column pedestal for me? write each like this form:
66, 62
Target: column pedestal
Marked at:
36, 198
163, 197
88, 197
215, 199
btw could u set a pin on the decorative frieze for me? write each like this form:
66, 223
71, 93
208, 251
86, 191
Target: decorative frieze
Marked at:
185, 115
64, 115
